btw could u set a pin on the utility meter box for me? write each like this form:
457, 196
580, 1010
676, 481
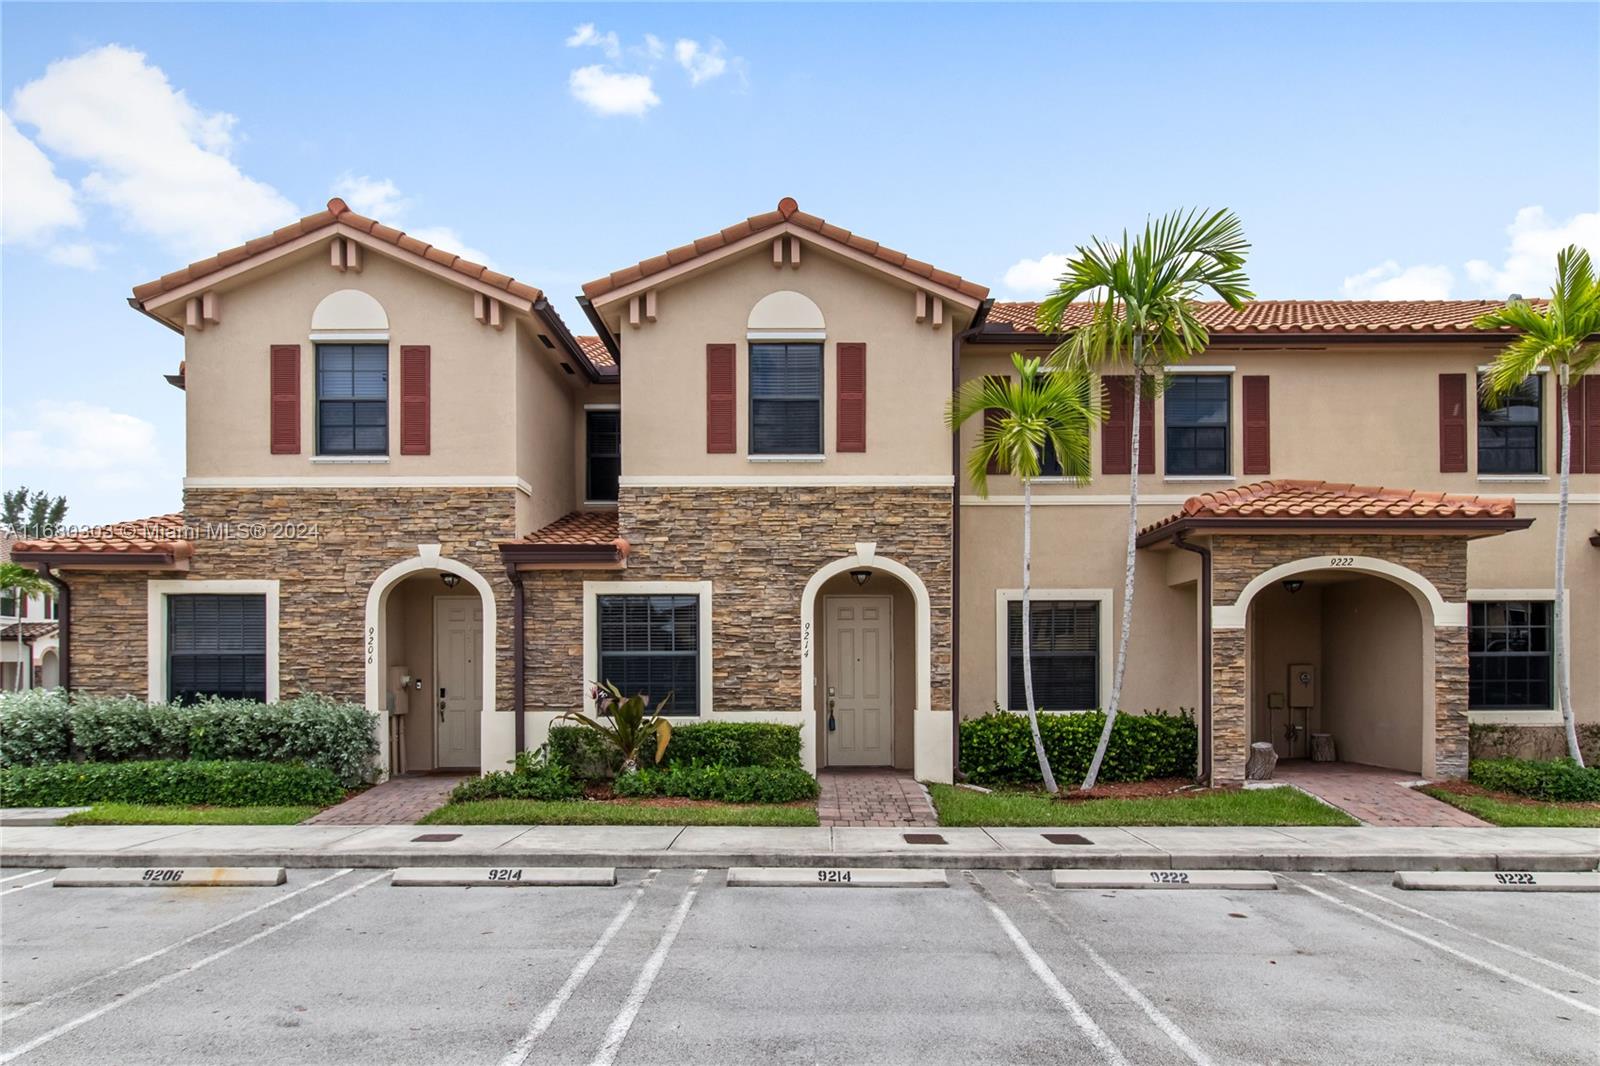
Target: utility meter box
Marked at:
1302, 683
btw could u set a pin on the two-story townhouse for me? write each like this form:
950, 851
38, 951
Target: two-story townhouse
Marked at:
30, 656
408, 485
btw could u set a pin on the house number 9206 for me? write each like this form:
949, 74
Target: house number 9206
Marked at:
372, 644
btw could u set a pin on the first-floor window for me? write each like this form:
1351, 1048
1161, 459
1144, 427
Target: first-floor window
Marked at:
651, 644
1508, 655
216, 646
1065, 648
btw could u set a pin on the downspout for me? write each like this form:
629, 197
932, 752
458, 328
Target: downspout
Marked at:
519, 656
1205, 650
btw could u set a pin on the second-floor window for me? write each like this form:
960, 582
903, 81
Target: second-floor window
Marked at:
8, 605
785, 399
352, 399
1197, 425
603, 432
52, 609
1509, 435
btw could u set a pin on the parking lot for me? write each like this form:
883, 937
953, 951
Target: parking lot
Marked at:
677, 967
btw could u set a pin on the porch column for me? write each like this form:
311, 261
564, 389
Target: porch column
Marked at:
1449, 701
1229, 723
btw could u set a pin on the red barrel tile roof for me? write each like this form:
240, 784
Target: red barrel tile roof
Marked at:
1273, 501
578, 528
596, 351
145, 536
1298, 316
787, 211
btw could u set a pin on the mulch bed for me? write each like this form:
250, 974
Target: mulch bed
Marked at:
1159, 786
1467, 788
601, 793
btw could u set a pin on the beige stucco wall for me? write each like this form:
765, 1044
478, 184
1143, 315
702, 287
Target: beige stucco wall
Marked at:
1372, 684
549, 404
664, 381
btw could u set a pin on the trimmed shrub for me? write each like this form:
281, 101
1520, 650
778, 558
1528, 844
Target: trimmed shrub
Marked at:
727, 784
1560, 780
33, 727
997, 748
693, 744
187, 782
552, 781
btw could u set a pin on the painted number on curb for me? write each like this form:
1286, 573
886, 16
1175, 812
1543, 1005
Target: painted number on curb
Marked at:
505, 875
1515, 879
155, 876
834, 877
1169, 877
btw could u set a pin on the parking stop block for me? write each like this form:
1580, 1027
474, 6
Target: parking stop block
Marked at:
1236, 880
833, 877
171, 877
1497, 881
502, 876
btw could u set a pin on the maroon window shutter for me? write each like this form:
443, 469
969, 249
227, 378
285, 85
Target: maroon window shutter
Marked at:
1452, 423
852, 414
991, 418
722, 375
1147, 434
285, 399
1257, 424
1590, 426
1116, 433
415, 405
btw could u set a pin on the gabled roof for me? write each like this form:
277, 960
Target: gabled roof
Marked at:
1282, 504
787, 213
156, 543
1290, 317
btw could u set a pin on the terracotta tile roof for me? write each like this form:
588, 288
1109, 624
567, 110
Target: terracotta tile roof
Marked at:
1277, 500
30, 630
787, 211
578, 528
337, 212
158, 535
596, 351
1298, 316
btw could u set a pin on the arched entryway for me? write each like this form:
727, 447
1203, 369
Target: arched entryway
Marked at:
50, 669
430, 664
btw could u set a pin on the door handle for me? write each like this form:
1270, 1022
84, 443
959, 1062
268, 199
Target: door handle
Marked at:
441, 705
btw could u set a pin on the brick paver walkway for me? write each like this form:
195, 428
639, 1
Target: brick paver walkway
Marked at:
398, 801
872, 796
1371, 793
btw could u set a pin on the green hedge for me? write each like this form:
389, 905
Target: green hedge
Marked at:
729, 784
1561, 780
211, 782
693, 744
45, 727
553, 781
997, 749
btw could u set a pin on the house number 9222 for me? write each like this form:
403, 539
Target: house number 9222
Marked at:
1342, 560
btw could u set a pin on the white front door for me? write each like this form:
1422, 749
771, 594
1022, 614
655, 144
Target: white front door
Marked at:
858, 680
458, 679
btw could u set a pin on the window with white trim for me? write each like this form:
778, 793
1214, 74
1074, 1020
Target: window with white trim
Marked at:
1197, 413
1064, 639
352, 399
216, 646
1508, 655
1510, 435
651, 644
603, 440
785, 399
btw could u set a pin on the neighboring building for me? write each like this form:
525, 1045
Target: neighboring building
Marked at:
35, 662
408, 484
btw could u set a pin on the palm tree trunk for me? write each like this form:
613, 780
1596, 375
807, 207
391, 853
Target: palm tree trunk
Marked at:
1563, 672
1127, 579
1027, 651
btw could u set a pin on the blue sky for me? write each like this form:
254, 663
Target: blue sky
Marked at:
1371, 150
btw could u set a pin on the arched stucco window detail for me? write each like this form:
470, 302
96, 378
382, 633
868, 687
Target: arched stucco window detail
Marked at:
349, 315
786, 315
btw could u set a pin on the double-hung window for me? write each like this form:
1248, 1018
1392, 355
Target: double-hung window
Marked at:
216, 646
352, 399
785, 399
1197, 425
651, 644
603, 432
1065, 650
1508, 655
1509, 434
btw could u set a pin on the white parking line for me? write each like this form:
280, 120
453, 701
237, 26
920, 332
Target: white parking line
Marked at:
1530, 956
23, 888
1174, 1032
144, 989
142, 959
1446, 948
13, 877
519, 1054
1047, 977
647, 977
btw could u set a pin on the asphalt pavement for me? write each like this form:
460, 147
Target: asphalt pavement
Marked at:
674, 966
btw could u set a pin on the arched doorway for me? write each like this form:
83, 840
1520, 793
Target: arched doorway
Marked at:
430, 666
50, 669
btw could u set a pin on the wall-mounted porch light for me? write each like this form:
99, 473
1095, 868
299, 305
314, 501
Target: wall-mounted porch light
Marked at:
1294, 585
861, 576
450, 580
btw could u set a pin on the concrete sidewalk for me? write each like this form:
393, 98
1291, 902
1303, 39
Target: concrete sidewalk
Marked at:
329, 846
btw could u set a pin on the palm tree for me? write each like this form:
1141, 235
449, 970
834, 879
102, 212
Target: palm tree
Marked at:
1562, 339
1139, 295
1024, 416
21, 582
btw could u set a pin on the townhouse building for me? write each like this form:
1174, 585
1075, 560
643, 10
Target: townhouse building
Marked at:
409, 484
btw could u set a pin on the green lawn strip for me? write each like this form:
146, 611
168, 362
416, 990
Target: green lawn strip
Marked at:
591, 812
1266, 806
140, 814
1504, 812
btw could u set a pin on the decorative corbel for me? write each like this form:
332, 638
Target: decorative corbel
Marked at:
480, 307
650, 306
210, 307
191, 313
777, 252
494, 314
921, 305
336, 254
938, 311
794, 252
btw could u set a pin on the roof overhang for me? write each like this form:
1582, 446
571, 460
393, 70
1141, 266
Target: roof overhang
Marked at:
521, 555
1470, 528
69, 559
1001, 333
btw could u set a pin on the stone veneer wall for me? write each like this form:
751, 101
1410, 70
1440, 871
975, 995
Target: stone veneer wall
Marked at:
1238, 559
759, 547
323, 578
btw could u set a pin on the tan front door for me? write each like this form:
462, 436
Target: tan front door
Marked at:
458, 675
859, 680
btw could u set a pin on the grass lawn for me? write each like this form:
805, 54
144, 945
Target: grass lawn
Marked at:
1520, 812
592, 812
1264, 806
138, 814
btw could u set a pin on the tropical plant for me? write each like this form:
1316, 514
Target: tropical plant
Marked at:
1561, 339
31, 514
622, 726
1139, 301
1025, 418
22, 582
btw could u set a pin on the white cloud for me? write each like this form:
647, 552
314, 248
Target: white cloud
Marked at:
161, 162
448, 239
654, 47
1387, 281
1530, 264
81, 255
34, 201
585, 36
69, 435
702, 63
372, 197
608, 92
1035, 277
